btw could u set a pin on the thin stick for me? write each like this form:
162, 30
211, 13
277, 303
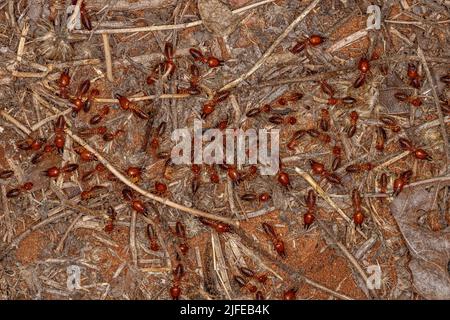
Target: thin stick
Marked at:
438, 106
51, 118
392, 160
108, 60
74, 63
146, 98
11, 13
6, 215
133, 238
21, 46
15, 122
60, 245
325, 289
269, 51
21, 74
435, 180
167, 27
145, 193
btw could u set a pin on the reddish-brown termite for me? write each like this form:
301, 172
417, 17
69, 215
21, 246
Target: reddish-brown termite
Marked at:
381, 138
211, 104
245, 284
219, 226
209, 60
364, 68
112, 214
347, 100
278, 244
194, 81
295, 139
418, 153
321, 136
261, 277
413, 75
6, 174
152, 237
85, 155
290, 294
27, 186
84, 15
136, 204
166, 68
309, 216
90, 174
400, 182
319, 169
99, 116
351, 129
313, 41
31, 144
92, 192
359, 167
160, 188
60, 135
180, 231
358, 216
175, 290
332, 101
127, 105
54, 172
337, 158
324, 122
63, 83
414, 101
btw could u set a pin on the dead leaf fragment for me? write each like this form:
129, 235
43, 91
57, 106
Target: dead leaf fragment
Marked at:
430, 250
217, 17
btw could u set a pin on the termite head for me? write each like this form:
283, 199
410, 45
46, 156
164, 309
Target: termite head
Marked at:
317, 167
364, 65
279, 248
308, 219
358, 218
412, 71
64, 79
422, 155
290, 294
283, 179
315, 40
213, 62
123, 102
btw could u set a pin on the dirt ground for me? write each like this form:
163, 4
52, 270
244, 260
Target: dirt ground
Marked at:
392, 125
